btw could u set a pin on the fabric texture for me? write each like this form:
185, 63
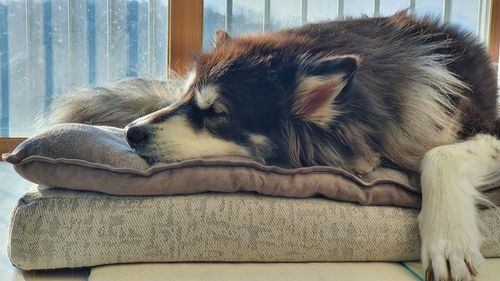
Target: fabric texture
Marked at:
91, 158
83, 157
373, 271
55, 228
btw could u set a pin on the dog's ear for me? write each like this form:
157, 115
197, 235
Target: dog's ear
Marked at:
221, 37
319, 82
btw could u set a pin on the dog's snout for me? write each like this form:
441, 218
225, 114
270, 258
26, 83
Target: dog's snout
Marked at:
136, 134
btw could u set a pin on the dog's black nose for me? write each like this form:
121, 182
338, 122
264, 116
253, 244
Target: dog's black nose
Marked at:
136, 134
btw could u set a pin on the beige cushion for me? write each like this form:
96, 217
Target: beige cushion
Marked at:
57, 228
83, 157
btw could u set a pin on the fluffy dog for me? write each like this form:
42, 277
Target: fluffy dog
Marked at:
359, 93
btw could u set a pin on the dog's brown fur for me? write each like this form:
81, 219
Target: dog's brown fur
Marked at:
389, 88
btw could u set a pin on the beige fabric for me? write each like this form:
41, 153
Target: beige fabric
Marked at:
376, 271
58, 228
83, 157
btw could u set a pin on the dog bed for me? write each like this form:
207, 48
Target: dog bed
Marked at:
59, 227
56, 228
83, 157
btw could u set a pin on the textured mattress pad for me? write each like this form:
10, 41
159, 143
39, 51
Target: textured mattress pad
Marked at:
55, 228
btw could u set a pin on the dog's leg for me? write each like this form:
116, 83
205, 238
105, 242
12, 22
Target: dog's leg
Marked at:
448, 220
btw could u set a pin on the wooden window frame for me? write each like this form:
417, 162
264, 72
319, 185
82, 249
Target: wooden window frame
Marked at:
185, 33
8, 144
495, 30
185, 39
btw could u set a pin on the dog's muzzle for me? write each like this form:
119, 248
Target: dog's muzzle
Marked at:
137, 135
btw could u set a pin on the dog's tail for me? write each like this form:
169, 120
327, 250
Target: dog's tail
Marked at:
116, 104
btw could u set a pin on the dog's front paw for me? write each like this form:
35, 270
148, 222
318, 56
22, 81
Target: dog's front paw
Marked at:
450, 260
366, 164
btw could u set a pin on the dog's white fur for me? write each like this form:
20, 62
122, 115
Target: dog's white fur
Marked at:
450, 176
190, 77
176, 138
206, 96
426, 123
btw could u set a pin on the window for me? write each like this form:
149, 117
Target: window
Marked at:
47, 46
242, 17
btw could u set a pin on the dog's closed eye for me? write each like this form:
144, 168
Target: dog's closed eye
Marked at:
219, 108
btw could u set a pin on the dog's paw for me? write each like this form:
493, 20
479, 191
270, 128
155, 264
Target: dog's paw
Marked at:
365, 165
445, 260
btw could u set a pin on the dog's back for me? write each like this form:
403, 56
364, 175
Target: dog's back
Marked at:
392, 46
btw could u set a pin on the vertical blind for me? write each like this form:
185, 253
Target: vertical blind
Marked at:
47, 46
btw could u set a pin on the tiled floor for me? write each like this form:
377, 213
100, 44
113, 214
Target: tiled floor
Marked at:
12, 187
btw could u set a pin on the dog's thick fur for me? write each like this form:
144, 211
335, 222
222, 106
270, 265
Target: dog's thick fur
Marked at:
396, 91
116, 104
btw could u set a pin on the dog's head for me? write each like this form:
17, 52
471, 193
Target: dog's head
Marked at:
241, 97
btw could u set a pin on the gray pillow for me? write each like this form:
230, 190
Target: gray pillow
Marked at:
92, 158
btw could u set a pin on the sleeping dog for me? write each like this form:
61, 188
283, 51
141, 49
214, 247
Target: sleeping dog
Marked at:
360, 93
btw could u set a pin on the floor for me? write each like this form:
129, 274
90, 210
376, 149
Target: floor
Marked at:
13, 187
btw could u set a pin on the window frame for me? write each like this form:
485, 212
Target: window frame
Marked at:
185, 38
494, 41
